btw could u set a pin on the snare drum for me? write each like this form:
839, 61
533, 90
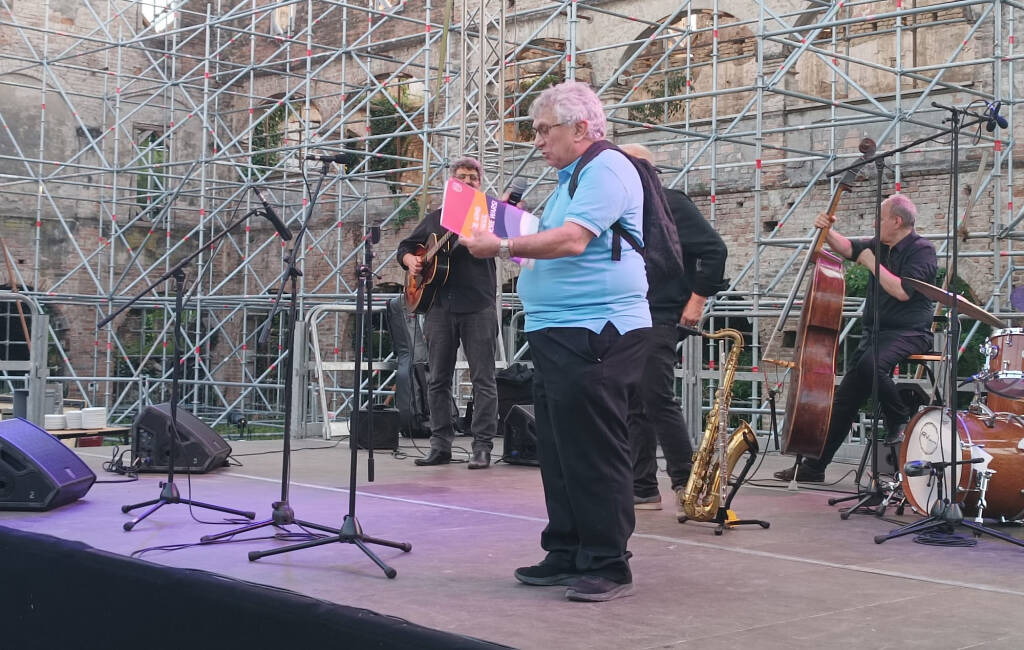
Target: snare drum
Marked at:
927, 438
1004, 362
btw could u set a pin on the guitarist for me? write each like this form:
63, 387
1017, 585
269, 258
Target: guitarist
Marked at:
463, 311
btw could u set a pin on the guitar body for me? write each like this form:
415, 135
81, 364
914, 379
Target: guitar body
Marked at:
420, 290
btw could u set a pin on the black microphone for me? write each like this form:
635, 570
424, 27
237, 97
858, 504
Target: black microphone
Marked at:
516, 189
916, 467
994, 118
272, 217
346, 158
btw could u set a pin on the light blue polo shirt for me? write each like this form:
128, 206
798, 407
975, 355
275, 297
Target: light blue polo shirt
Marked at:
591, 289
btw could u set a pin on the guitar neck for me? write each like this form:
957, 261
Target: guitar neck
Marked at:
432, 251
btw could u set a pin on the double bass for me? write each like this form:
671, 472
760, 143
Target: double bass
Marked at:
813, 368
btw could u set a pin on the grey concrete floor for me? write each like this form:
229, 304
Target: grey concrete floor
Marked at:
810, 581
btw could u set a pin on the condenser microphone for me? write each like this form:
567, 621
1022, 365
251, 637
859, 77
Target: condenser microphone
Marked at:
272, 217
516, 189
994, 118
346, 158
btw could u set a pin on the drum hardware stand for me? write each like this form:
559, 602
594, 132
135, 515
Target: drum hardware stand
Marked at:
983, 478
281, 512
351, 531
169, 493
945, 513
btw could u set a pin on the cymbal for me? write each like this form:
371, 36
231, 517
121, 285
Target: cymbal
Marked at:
963, 306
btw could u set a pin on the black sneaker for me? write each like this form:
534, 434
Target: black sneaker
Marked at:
597, 589
545, 575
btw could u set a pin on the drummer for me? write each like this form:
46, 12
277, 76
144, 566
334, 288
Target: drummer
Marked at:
905, 318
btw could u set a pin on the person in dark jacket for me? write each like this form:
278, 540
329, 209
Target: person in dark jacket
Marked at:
464, 311
655, 417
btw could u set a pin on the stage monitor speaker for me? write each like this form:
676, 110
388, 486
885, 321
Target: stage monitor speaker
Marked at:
199, 448
386, 424
38, 471
520, 436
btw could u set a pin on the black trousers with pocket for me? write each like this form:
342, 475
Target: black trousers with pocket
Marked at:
582, 390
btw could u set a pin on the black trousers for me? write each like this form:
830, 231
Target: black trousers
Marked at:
855, 388
655, 418
478, 334
582, 388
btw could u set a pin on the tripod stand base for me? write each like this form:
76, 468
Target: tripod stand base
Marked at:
281, 515
944, 523
351, 533
169, 495
867, 501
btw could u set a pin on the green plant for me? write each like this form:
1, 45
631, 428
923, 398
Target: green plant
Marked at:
656, 112
269, 136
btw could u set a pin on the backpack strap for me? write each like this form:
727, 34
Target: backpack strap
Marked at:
618, 230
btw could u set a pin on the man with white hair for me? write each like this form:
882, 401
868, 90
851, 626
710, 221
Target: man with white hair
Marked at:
464, 311
905, 319
586, 321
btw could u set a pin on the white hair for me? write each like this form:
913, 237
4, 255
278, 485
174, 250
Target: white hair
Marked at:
468, 162
572, 102
901, 206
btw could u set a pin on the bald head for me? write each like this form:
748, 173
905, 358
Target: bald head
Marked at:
638, 151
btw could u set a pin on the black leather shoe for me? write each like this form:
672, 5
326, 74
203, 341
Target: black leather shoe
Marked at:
481, 459
803, 475
895, 437
435, 457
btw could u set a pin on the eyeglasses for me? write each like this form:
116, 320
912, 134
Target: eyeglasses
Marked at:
544, 129
467, 177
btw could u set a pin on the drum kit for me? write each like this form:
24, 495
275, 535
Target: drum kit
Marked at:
989, 469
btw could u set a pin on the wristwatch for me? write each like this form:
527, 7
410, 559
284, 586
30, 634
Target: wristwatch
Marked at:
503, 251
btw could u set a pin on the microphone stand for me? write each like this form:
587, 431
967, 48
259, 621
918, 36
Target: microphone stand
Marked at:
169, 491
871, 495
281, 512
945, 514
351, 531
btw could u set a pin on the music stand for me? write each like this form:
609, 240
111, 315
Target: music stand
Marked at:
945, 513
169, 493
351, 531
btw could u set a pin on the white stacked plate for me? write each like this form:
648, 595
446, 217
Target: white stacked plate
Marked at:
94, 417
74, 419
54, 421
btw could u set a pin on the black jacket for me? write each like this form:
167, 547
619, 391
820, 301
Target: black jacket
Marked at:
471, 281
704, 255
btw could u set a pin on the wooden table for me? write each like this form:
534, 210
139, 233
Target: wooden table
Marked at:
124, 432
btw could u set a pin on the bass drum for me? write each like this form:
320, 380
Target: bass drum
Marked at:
1000, 446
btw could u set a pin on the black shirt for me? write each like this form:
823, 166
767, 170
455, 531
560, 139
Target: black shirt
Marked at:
912, 258
704, 255
471, 280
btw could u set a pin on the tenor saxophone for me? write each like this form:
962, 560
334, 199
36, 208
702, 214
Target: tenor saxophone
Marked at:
704, 493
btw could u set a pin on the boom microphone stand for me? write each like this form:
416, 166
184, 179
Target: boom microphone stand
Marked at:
351, 531
871, 494
169, 491
281, 512
945, 513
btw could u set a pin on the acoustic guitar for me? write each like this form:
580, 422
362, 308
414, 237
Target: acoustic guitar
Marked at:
421, 289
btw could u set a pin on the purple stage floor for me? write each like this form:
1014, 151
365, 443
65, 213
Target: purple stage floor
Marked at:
810, 581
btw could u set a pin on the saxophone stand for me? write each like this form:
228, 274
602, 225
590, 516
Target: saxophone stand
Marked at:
351, 531
945, 513
169, 493
281, 512
723, 518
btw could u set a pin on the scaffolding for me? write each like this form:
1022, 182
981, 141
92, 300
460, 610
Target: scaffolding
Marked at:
132, 132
